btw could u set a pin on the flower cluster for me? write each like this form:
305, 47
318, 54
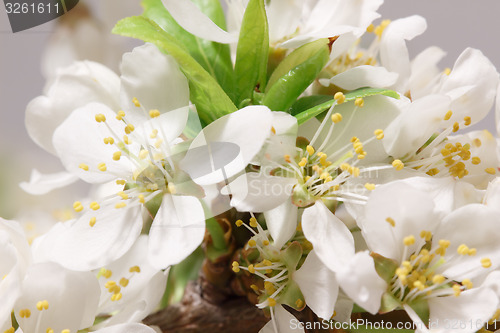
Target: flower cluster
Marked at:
296, 142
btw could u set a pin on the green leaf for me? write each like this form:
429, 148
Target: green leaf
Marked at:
252, 52
210, 100
308, 102
180, 275
214, 57
350, 96
295, 74
296, 58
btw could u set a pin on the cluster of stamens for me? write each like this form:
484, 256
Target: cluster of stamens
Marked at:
273, 273
114, 288
418, 277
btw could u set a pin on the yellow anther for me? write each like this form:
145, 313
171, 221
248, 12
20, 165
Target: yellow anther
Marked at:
115, 289
433, 172
154, 113
92, 221
154, 134
129, 128
438, 279
126, 140
419, 285
236, 267
369, 186
134, 269
271, 301
472, 252
94, 205
299, 303
265, 242
345, 166
254, 287
370, 28
39, 306
491, 171
303, 162
457, 290
398, 165
445, 152
253, 222
310, 150
463, 249
269, 287
141, 198
251, 269
252, 243
77, 206
109, 284
100, 118
379, 134
475, 160
107, 273
84, 166
116, 297
391, 221
66, 331
143, 154
25, 313
10, 330
124, 282
273, 130
456, 127
136, 102
448, 115
122, 195
102, 167
336, 118
486, 262
427, 235
467, 121
447, 71
477, 142
120, 205
359, 102
467, 283
239, 223
120, 114
121, 182
339, 97
409, 240
287, 158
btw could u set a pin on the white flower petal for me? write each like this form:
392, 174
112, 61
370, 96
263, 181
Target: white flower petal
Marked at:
258, 192
82, 247
471, 68
471, 307
318, 285
127, 328
177, 230
79, 139
226, 146
44, 183
481, 235
190, 17
282, 222
284, 321
330, 237
415, 125
359, 280
72, 298
363, 76
424, 71
393, 52
154, 79
73, 87
412, 211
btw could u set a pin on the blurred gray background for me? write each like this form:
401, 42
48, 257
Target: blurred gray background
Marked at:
453, 25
